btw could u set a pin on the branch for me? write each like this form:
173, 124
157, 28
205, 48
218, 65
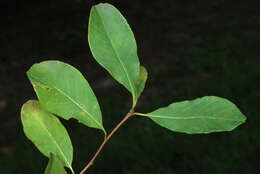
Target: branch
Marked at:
128, 115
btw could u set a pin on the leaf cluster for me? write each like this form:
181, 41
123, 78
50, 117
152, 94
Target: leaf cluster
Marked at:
63, 92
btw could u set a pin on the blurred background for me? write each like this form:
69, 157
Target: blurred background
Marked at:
190, 48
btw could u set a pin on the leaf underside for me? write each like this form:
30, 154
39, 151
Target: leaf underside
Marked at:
203, 115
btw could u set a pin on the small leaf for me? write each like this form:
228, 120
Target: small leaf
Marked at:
203, 115
46, 132
55, 166
140, 83
62, 90
113, 45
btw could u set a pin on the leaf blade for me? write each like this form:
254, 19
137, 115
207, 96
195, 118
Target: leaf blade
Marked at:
113, 45
203, 115
140, 83
54, 166
46, 132
64, 91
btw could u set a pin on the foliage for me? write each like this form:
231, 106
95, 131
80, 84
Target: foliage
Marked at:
64, 92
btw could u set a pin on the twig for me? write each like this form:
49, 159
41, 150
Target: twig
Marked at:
128, 115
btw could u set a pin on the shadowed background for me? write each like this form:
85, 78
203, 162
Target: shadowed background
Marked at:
190, 48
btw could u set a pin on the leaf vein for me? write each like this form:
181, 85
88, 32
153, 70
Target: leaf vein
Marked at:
54, 141
187, 118
73, 101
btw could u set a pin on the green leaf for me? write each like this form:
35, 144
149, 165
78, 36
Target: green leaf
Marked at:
140, 83
55, 166
203, 115
62, 90
113, 45
46, 132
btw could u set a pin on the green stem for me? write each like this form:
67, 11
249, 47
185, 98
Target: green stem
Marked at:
140, 114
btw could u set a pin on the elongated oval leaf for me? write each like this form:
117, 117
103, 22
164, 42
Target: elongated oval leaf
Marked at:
64, 91
113, 45
46, 132
55, 166
203, 115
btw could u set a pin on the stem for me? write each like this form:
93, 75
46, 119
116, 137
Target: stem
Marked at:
140, 114
128, 115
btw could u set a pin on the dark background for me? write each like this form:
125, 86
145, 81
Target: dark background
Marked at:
191, 48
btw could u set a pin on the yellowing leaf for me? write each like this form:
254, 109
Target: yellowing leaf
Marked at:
140, 83
46, 132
